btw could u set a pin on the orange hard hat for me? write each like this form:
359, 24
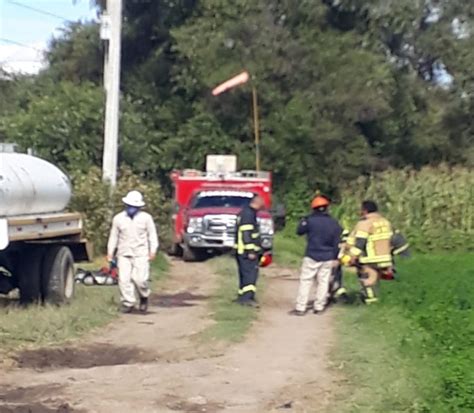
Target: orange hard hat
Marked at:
320, 201
266, 260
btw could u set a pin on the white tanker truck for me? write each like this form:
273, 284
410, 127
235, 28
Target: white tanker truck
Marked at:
39, 241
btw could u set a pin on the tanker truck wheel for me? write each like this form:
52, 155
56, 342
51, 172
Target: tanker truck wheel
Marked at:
58, 275
29, 274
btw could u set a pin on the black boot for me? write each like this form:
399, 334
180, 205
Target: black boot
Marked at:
143, 307
125, 309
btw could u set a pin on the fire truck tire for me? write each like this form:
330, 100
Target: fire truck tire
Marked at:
29, 275
176, 250
193, 254
58, 276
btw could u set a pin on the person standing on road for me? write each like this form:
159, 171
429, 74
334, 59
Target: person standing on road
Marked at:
323, 234
248, 251
134, 241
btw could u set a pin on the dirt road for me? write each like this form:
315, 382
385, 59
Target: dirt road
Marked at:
153, 364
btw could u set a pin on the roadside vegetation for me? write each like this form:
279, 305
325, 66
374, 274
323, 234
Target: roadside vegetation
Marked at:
412, 352
231, 320
92, 198
38, 326
433, 207
345, 88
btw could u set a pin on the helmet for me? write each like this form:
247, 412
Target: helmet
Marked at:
266, 260
134, 199
320, 201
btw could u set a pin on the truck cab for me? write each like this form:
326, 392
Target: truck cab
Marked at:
207, 204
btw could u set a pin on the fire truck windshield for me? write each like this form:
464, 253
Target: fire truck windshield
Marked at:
222, 199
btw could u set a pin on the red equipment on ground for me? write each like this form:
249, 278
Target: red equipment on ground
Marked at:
206, 205
266, 260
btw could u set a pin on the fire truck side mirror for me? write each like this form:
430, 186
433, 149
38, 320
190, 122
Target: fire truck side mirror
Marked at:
278, 212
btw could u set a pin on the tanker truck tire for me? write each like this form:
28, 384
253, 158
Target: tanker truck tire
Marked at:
29, 275
58, 276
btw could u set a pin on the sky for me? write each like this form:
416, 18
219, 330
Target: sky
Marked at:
24, 33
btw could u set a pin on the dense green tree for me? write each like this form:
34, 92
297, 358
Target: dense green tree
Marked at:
63, 124
76, 56
345, 87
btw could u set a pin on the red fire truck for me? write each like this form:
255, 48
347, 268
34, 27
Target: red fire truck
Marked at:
206, 205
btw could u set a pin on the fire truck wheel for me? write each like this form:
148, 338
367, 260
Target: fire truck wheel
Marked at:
176, 250
29, 275
58, 275
193, 254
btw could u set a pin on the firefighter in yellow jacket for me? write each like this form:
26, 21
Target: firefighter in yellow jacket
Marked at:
369, 248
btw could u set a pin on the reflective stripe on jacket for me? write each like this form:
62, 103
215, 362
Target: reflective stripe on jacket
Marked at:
247, 237
370, 241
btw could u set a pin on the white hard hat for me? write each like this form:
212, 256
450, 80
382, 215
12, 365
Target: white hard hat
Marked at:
134, 199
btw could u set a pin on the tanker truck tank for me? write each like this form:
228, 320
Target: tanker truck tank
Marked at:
30, 185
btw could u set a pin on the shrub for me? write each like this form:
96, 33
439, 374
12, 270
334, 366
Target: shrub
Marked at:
92, 198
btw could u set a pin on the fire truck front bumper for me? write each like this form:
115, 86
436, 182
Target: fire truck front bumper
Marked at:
221, 242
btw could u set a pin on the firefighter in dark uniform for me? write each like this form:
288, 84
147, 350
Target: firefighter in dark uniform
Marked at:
248, 251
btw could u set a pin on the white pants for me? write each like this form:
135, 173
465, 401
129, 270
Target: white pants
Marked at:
134, 273
310, 270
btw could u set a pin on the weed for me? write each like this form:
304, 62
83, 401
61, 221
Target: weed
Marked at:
232, 320
412, 352
38, 326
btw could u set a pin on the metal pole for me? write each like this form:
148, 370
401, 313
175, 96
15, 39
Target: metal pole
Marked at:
256, 128
112, 85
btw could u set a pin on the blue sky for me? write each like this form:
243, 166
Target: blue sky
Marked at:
33, 29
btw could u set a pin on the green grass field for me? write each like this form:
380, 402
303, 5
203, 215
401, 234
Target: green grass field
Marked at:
413, 351
38, 326
232, 321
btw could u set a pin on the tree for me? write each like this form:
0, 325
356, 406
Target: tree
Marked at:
345, 88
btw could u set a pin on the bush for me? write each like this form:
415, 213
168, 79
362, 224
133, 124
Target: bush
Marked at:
433, 207
91, 198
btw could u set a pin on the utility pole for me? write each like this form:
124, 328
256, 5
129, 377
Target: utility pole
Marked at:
111, 33
256, 128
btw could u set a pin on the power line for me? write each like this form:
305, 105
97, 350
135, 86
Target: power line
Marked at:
2, 39
44, 12
20, 60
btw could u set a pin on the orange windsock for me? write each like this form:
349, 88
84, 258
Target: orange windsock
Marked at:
240, 79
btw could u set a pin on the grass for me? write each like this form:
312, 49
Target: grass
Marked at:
231, 321
412, 352
288, 247
39, 326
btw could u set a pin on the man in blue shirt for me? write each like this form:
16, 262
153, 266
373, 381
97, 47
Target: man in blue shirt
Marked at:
323, 235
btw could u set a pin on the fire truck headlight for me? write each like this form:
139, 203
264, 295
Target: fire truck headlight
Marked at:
194, 225
266, 226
